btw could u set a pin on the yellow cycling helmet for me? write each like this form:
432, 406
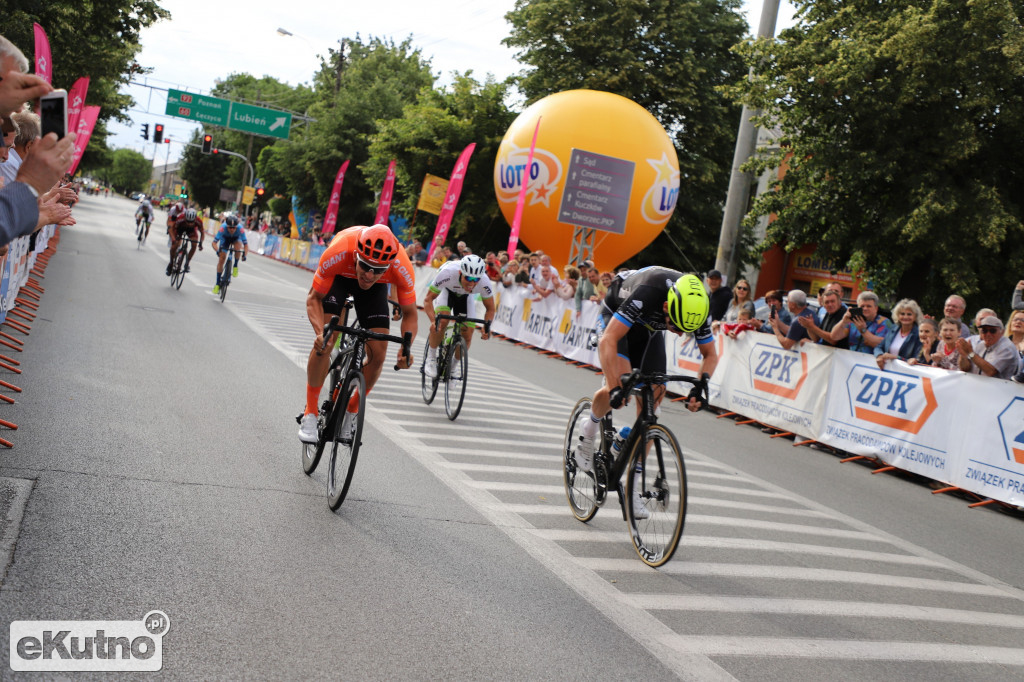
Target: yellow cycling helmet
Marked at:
688, 303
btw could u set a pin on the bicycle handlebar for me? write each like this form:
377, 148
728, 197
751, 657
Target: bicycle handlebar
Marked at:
462, 318
333, 326
619, 395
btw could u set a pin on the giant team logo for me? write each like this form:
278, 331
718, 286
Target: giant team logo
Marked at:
892, 399
1011, 426
777, 371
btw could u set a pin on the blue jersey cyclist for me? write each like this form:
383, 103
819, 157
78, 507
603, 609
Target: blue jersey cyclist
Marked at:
454, 282
638, 308
226, 240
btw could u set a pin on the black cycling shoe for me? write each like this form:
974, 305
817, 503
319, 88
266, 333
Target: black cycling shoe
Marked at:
168, 273
188, 268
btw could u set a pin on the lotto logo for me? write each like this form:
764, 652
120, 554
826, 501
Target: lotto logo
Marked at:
898, 401
1010, 421
776, 371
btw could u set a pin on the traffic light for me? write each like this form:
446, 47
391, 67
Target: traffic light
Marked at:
207, 143
158, 132
145, 131
259, 193
167, 140
184, 190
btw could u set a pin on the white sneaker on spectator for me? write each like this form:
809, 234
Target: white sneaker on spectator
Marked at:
430, 364
307, 429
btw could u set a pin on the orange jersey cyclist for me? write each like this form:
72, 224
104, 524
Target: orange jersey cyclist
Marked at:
451, 288
360, 262
189, 225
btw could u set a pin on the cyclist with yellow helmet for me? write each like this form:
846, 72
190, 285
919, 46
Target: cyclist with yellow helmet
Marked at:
640, 305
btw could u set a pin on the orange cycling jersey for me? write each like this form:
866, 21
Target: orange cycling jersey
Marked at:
339, 260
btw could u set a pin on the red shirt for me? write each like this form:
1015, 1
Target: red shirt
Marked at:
339, 260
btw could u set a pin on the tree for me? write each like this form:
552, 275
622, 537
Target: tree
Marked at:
204, 173
130, 171
901, 123
668, 56
429, 137
99, 39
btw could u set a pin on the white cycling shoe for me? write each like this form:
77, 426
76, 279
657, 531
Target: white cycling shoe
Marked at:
307, 429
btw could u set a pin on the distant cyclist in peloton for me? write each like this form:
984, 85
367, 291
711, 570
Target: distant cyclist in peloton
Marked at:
638, 308
451, 287
224, 244
144, 212
359, 262
188, 225
173, 213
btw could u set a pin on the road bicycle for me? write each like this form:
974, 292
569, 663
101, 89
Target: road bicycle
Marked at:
336, 427
179, 264
141, 230
452, 363
654, 497
225, 274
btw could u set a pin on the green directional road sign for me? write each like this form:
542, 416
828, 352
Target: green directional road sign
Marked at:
234, 115
211, 110
250, 119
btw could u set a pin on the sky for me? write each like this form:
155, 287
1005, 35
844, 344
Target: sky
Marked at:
207, 40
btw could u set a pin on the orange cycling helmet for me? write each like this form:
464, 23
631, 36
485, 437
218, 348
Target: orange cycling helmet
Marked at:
377, 245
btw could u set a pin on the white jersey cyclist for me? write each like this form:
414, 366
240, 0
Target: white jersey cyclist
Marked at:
451, 288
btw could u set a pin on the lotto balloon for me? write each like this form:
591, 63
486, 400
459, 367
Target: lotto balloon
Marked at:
601, 161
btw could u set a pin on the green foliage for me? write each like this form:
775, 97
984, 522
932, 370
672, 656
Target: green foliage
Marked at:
98, 38
375, 81
428, 138
204, 173
129, 171
903, 120
668, 56
279, 206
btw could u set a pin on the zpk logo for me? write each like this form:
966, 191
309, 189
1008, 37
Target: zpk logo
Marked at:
898, 401
777, 371
687, 353
1011, 423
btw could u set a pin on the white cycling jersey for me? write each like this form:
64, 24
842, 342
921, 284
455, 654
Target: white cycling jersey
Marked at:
447, 281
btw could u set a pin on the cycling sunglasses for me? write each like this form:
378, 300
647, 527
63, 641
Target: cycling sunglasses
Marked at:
471, 279
372, 269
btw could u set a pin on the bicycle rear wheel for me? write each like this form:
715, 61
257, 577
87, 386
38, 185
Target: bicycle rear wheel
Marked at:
580, 488
345, 450
656, 495
225, 278
311, 452
428, 386
178, 269
455, 379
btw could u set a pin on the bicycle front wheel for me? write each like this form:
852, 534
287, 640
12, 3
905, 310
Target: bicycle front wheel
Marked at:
345, 440
455, 380
656, 495
178, 270
428, 386
580, 487
225, 279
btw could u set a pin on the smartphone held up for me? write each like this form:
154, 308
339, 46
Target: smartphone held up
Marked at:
53, 113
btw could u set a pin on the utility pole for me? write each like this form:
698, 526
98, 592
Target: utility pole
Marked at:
739, 182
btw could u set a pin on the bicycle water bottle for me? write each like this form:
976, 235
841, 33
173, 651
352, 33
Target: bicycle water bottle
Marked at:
619, 439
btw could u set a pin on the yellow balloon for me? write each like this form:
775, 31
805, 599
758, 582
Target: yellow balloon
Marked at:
601, 161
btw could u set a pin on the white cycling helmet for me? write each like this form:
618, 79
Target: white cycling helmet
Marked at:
190, 214
472, 266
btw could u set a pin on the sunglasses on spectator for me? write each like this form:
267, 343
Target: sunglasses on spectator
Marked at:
742, 289
471, 279
990, 330
372, 269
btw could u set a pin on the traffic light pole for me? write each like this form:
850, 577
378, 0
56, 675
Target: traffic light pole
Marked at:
252, 172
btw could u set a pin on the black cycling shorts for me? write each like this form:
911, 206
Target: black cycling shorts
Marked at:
371, 304
644, 348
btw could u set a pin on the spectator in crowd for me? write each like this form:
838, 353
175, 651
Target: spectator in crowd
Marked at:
1015, 330
534, 262
502, 260
523, 276
866, 330
902, 341
790, 335
508, 276
1018, 296
774, 299
55, 205
741, 300
946, 354
463, 249
586, 290
829, 331
545, 285
719, 296
745, 322
491, 267
989, 353
954, 309
982, 314
567, 289
606, 281
819, 316
928, 330
40, 170
10, 131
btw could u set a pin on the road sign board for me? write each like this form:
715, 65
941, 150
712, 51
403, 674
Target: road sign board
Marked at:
247, 194
250, 119
596, 192
212, 110
234, 115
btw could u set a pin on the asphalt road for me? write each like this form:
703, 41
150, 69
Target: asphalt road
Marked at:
156, 466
